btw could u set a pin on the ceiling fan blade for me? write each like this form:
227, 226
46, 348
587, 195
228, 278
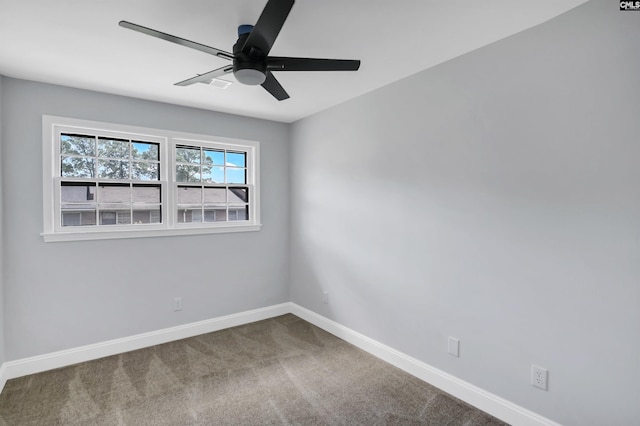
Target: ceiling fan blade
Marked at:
276, 63
206, 77
177, 40
273, 86
269, 24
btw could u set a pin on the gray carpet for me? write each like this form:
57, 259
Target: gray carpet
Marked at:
281, 371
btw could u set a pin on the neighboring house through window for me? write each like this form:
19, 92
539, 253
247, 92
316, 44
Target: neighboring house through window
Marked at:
112, 181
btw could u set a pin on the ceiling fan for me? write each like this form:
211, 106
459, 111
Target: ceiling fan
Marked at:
252, 64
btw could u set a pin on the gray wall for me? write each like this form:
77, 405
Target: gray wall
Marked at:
65, 295
494, 198
2, 357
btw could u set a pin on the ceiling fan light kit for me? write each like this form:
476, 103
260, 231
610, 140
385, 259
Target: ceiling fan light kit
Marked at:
252, 64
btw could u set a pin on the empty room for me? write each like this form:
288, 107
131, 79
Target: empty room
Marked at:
250, 212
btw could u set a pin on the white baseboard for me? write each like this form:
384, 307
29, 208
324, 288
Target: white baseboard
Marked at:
37, 364
492, 404
485, 401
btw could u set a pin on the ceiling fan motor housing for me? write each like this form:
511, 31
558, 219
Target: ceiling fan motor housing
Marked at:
249, 67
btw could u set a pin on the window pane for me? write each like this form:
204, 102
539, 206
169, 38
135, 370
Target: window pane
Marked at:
146, 194
147, 215
120, 217
187, 173
113, 169
206, 175
215, 215
189, 215
87, 218
215, 196
213, 174
236, 175
213, 157
70, 218
187, 155
237, 159
124, 217
78, 145
238, 213
145, 171
189, 195
238, 195
107, 218
78, 218
72, 192
113, 148
114, 193
156, 215
77, 167
145, 151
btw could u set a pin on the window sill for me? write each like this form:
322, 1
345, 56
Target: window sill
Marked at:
50, 237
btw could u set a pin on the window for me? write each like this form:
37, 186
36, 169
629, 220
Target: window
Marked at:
111, 181
211, 184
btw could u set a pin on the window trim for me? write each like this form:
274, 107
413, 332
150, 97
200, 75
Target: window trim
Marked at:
53, 230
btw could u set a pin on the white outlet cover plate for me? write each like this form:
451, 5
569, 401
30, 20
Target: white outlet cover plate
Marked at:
454, 346
539, 377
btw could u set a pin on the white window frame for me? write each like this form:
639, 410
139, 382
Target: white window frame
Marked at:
53, 230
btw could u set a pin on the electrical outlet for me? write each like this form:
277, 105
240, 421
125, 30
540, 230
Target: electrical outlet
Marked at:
177, 304
325, 297
539, 377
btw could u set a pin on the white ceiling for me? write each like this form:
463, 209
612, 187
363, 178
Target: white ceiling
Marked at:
78, 43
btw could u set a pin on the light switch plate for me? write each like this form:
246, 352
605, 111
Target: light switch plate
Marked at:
454, 346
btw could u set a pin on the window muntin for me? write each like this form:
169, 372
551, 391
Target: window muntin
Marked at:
129, 179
